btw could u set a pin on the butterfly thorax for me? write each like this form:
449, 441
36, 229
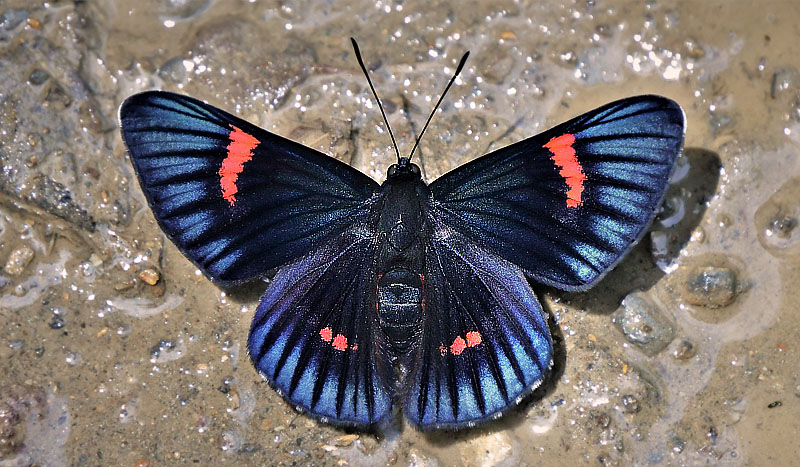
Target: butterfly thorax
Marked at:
400, 281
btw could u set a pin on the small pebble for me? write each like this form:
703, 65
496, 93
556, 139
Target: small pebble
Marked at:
710, 286
508, 35
712, 435
18, 260
149, 276
782, 226
233, 396
685, 350
57, 322
230, 441
783, 80
603, 420
643, 323
677, 444
778, 220
72, 358
38, 77
631, 403
163, 345
345, 440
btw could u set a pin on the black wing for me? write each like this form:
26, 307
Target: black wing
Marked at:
314, 335
236, 199
485, 340
567, 204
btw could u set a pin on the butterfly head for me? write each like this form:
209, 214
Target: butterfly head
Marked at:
404, 169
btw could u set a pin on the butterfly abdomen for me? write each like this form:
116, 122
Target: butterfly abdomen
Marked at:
400, 308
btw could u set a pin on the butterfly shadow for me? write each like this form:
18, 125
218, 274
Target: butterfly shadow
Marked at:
696, 180
248, 292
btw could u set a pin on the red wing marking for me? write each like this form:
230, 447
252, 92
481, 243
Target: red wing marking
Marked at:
339, 343
240, 150
570, 168
473, 338
326, 334
459, 344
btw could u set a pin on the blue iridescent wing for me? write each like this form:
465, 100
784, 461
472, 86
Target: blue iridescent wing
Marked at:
568, 204
314, 335
236, 199
485, 340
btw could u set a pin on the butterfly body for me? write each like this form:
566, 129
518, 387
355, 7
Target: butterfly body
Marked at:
402, 295
400, 260
401, 205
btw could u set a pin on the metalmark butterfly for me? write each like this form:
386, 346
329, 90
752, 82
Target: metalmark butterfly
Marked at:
402, 294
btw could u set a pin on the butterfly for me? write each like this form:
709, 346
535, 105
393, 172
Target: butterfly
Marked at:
402, 294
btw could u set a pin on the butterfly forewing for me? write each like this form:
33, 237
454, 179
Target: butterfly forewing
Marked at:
485, 340
236, 199
315, 335
566, 205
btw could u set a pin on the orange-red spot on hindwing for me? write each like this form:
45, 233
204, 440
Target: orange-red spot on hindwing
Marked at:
326, 334
473, 338
458, 346
240, 150
570, 168
339, 342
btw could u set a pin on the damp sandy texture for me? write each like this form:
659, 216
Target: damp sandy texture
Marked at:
115, 351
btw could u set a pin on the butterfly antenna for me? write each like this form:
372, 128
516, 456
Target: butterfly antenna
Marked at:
380, 106
452, 80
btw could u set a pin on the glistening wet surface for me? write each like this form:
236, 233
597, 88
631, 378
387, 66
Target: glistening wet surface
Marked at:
116, 351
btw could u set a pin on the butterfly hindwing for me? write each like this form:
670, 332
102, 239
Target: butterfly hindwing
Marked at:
236, 199
315, 336
567, 204
485, 341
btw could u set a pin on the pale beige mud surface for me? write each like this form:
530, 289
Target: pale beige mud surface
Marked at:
115, 351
